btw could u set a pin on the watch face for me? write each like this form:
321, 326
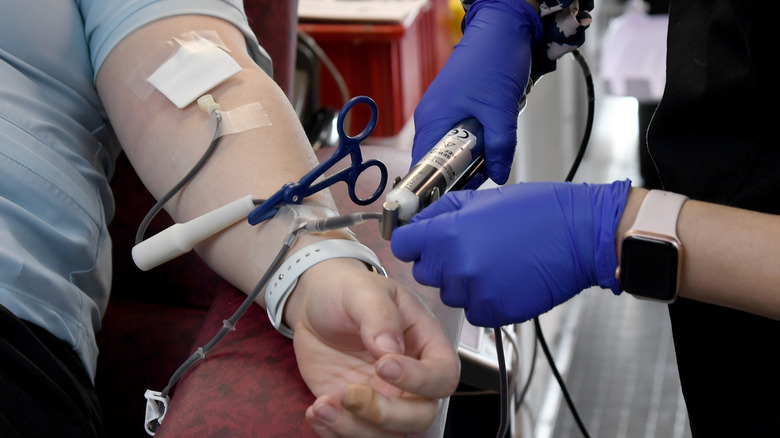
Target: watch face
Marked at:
648, 268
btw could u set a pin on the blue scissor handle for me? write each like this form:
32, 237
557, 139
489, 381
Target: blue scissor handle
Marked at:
354, 142
294, 193
350, 176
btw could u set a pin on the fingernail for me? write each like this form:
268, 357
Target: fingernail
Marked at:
389, 343
326, 413
389, 370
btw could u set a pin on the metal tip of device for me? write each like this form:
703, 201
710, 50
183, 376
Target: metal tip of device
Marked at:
389, 220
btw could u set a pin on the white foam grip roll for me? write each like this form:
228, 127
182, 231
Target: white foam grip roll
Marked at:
181, 238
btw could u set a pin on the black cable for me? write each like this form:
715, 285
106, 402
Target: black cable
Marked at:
341, 84
572, 171
566, 396
503, 381
590, 89
139, 236
503, 386
521, 397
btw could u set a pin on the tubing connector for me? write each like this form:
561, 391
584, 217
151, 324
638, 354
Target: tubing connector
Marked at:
208, 105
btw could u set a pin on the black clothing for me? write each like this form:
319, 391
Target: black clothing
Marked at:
715, 137
46, 391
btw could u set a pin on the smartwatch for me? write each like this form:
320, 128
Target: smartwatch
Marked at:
651, 254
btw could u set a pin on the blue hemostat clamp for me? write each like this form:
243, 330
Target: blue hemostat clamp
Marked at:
295, 193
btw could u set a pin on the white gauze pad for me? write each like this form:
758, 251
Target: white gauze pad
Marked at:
196, 67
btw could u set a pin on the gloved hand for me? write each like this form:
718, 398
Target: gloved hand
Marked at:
485, 77
509, 254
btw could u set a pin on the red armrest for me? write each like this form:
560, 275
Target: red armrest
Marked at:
275, 22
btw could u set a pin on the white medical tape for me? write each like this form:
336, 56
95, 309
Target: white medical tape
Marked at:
186, 67
243, 118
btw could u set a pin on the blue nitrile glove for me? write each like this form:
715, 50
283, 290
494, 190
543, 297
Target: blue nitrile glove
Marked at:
485, 77
509, 254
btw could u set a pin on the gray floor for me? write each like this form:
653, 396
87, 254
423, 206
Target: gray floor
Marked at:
622, 377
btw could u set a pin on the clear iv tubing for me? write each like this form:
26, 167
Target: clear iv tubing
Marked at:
139, 237
228, 325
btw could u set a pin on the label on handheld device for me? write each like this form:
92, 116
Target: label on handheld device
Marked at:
451, 156
439, 170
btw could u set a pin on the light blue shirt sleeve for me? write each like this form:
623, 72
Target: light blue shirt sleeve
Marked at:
107, 22
57, 153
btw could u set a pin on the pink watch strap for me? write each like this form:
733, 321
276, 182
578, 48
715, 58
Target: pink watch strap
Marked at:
658, 213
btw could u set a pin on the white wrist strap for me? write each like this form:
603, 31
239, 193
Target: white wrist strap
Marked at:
286, 277
659, 212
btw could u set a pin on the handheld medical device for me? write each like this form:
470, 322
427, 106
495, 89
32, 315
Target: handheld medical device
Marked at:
455, 162
451, 162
